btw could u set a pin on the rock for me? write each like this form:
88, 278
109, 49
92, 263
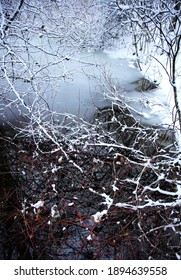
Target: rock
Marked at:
145, 85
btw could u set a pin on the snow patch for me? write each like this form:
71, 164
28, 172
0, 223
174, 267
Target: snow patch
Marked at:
98, 216
71, 204
54, 189
89, 237
38, 204
55, 212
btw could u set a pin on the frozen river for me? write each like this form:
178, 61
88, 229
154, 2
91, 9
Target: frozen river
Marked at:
75, 84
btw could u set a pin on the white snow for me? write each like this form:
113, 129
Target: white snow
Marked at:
150, 203
54, 188
124, 7
23, 204
71, 204
38, 204
89, 237
98, 216
55, 212
114, 184
178, 256
114, 188
109, 201
60, 159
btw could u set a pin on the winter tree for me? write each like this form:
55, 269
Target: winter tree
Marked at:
109, 188
155, 27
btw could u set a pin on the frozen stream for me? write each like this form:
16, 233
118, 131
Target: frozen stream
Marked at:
76, 84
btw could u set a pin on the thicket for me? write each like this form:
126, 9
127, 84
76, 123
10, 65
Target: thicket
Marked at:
109, 189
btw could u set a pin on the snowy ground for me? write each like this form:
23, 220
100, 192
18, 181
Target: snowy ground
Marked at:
157, 105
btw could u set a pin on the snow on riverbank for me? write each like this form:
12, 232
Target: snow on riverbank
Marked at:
160, 101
